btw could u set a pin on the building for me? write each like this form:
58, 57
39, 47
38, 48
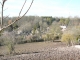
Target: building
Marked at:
63, 28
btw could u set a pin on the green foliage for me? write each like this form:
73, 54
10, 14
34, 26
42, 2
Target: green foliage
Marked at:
48, 20
37, 25
67, 20
62, 21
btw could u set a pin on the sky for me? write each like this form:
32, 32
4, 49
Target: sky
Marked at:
55, 8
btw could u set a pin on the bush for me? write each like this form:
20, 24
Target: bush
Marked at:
20, 39
69, 37
28, 38
51, 36
33, 38
44, 37
11, 47
55, 32
47, 37
7, 38
1, 42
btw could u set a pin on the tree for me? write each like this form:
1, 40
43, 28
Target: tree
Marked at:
68, 38
67, 21
71, 36
18, 18
2, 4
62, 21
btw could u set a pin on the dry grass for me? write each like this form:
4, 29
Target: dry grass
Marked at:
45, 51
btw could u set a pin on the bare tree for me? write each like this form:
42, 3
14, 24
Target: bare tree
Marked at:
2, 4
18, 18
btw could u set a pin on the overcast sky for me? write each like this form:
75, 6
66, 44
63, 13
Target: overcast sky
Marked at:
58, 8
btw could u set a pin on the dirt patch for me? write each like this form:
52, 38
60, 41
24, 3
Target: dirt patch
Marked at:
30, 48
61, 53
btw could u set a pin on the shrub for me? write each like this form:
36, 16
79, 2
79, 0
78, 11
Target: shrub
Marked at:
8, 40
1, 42
55, 32
33, 38
69, 38
44, 37
47, 37
28, 38
19, 41
11, 47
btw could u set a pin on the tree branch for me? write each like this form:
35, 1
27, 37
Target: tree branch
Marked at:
22, 8
18, 17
